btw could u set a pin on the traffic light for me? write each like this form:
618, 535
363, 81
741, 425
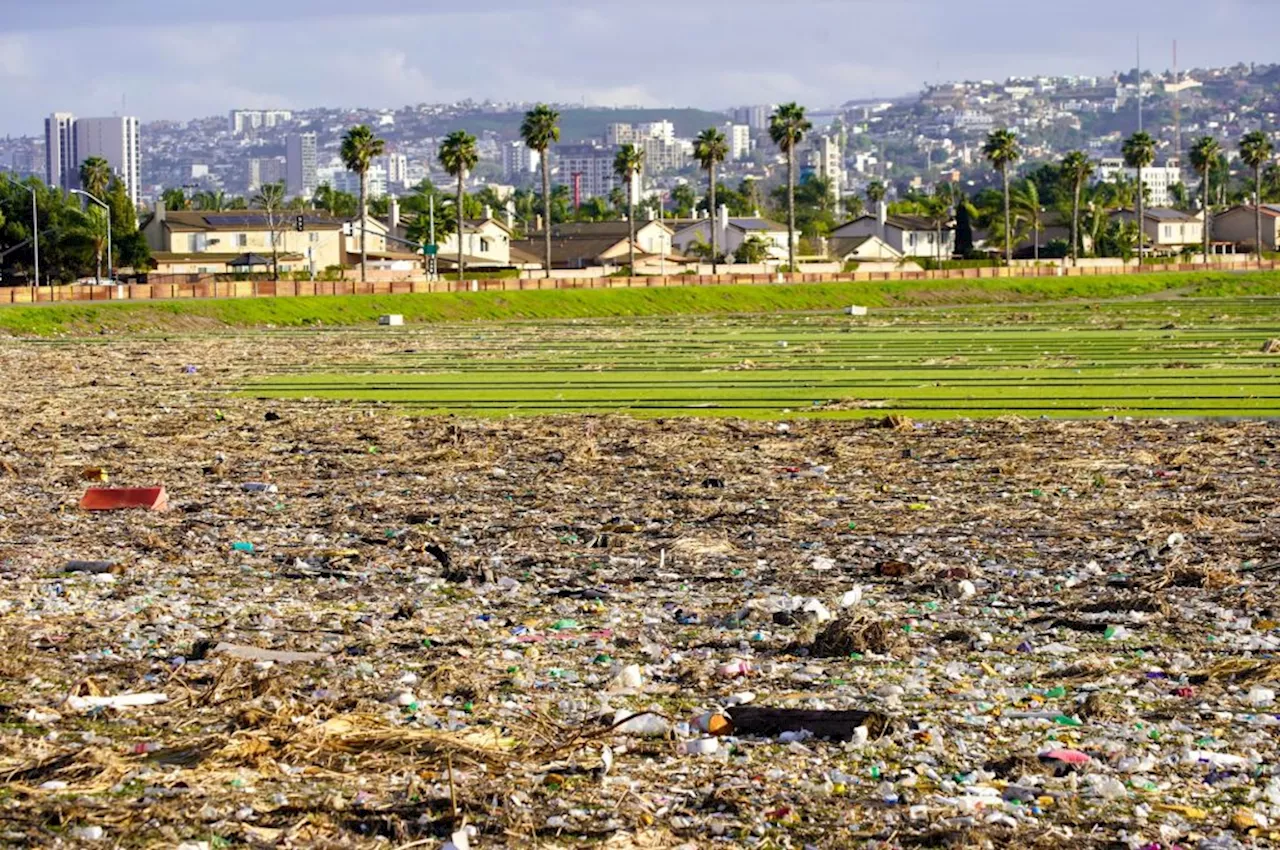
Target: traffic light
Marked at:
299, 224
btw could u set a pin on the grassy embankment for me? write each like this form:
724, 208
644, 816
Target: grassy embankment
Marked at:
123, 317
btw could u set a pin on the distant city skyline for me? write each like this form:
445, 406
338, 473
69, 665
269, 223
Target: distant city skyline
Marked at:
161, 61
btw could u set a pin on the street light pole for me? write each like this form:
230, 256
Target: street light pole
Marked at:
35, 230
85, 194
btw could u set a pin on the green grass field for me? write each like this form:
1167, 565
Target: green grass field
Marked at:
1143, 358
80, 318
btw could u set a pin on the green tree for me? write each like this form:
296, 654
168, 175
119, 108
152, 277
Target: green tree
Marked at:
212, 201
1002, 151
458, 155
1204, 153
359, 148
752, 251
541, 128
627, 164
1077, 168
787, 128
174, 199
271, 200
94, 232
1027, 208
683, 198
876, 193
1139, 152
1256, 151
128, 245
95, 176
964, 227
710, 149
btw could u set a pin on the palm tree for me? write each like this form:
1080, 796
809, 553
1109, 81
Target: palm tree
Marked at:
95, 176
1255, 151
875, 193
359, 147
1026, 203
1002, 151
270, 199
787, 127
458, 155
1204, 153
1078, 168
92, 230
627, 164
215, 201
540, 128
1139, 152
710, 149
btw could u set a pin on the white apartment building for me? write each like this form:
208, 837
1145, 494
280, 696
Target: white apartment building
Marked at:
61, 165
116, 141
1158, 179
300, 156
739, 141
246, 119
349, 181
518, 160
397, 167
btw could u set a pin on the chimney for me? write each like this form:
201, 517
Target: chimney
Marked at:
393, 214
488, 213
160, 210
537, 222
724, 221
882, 215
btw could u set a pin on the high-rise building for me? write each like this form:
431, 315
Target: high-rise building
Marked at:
301, 156
397, 167
116, 141
259, 172
518, 161
739, 141
61, 165
587, 170
755, 117
349, 181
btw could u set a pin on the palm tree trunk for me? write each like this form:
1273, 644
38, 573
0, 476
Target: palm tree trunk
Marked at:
1142, 219
1257, 208
715, 216
1035, 227
1008, 217
364, 213
1075, 225
791, 208
461, 261
1205, 189
97, 272
546, 205
631, 224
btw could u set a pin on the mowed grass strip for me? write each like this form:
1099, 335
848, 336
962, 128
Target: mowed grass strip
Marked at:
339, 311
828, 369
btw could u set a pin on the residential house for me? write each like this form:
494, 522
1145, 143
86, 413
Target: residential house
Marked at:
191, 242
862, 249
1238, 226
586, 244
909, 235
1167, 230
731, 233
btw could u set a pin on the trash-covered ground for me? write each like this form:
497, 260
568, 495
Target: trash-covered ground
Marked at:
354, 628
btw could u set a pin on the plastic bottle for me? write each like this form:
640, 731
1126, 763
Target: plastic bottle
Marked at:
640, 725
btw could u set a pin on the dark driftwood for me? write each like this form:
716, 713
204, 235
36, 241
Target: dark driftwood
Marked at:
834, 725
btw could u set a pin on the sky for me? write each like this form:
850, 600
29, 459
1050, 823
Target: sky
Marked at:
183, 59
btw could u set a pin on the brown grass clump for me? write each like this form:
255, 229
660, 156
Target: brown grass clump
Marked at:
857, 633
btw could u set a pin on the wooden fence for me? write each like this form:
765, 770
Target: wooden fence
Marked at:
177, 287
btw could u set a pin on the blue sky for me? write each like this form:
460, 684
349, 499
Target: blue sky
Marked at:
187, 59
